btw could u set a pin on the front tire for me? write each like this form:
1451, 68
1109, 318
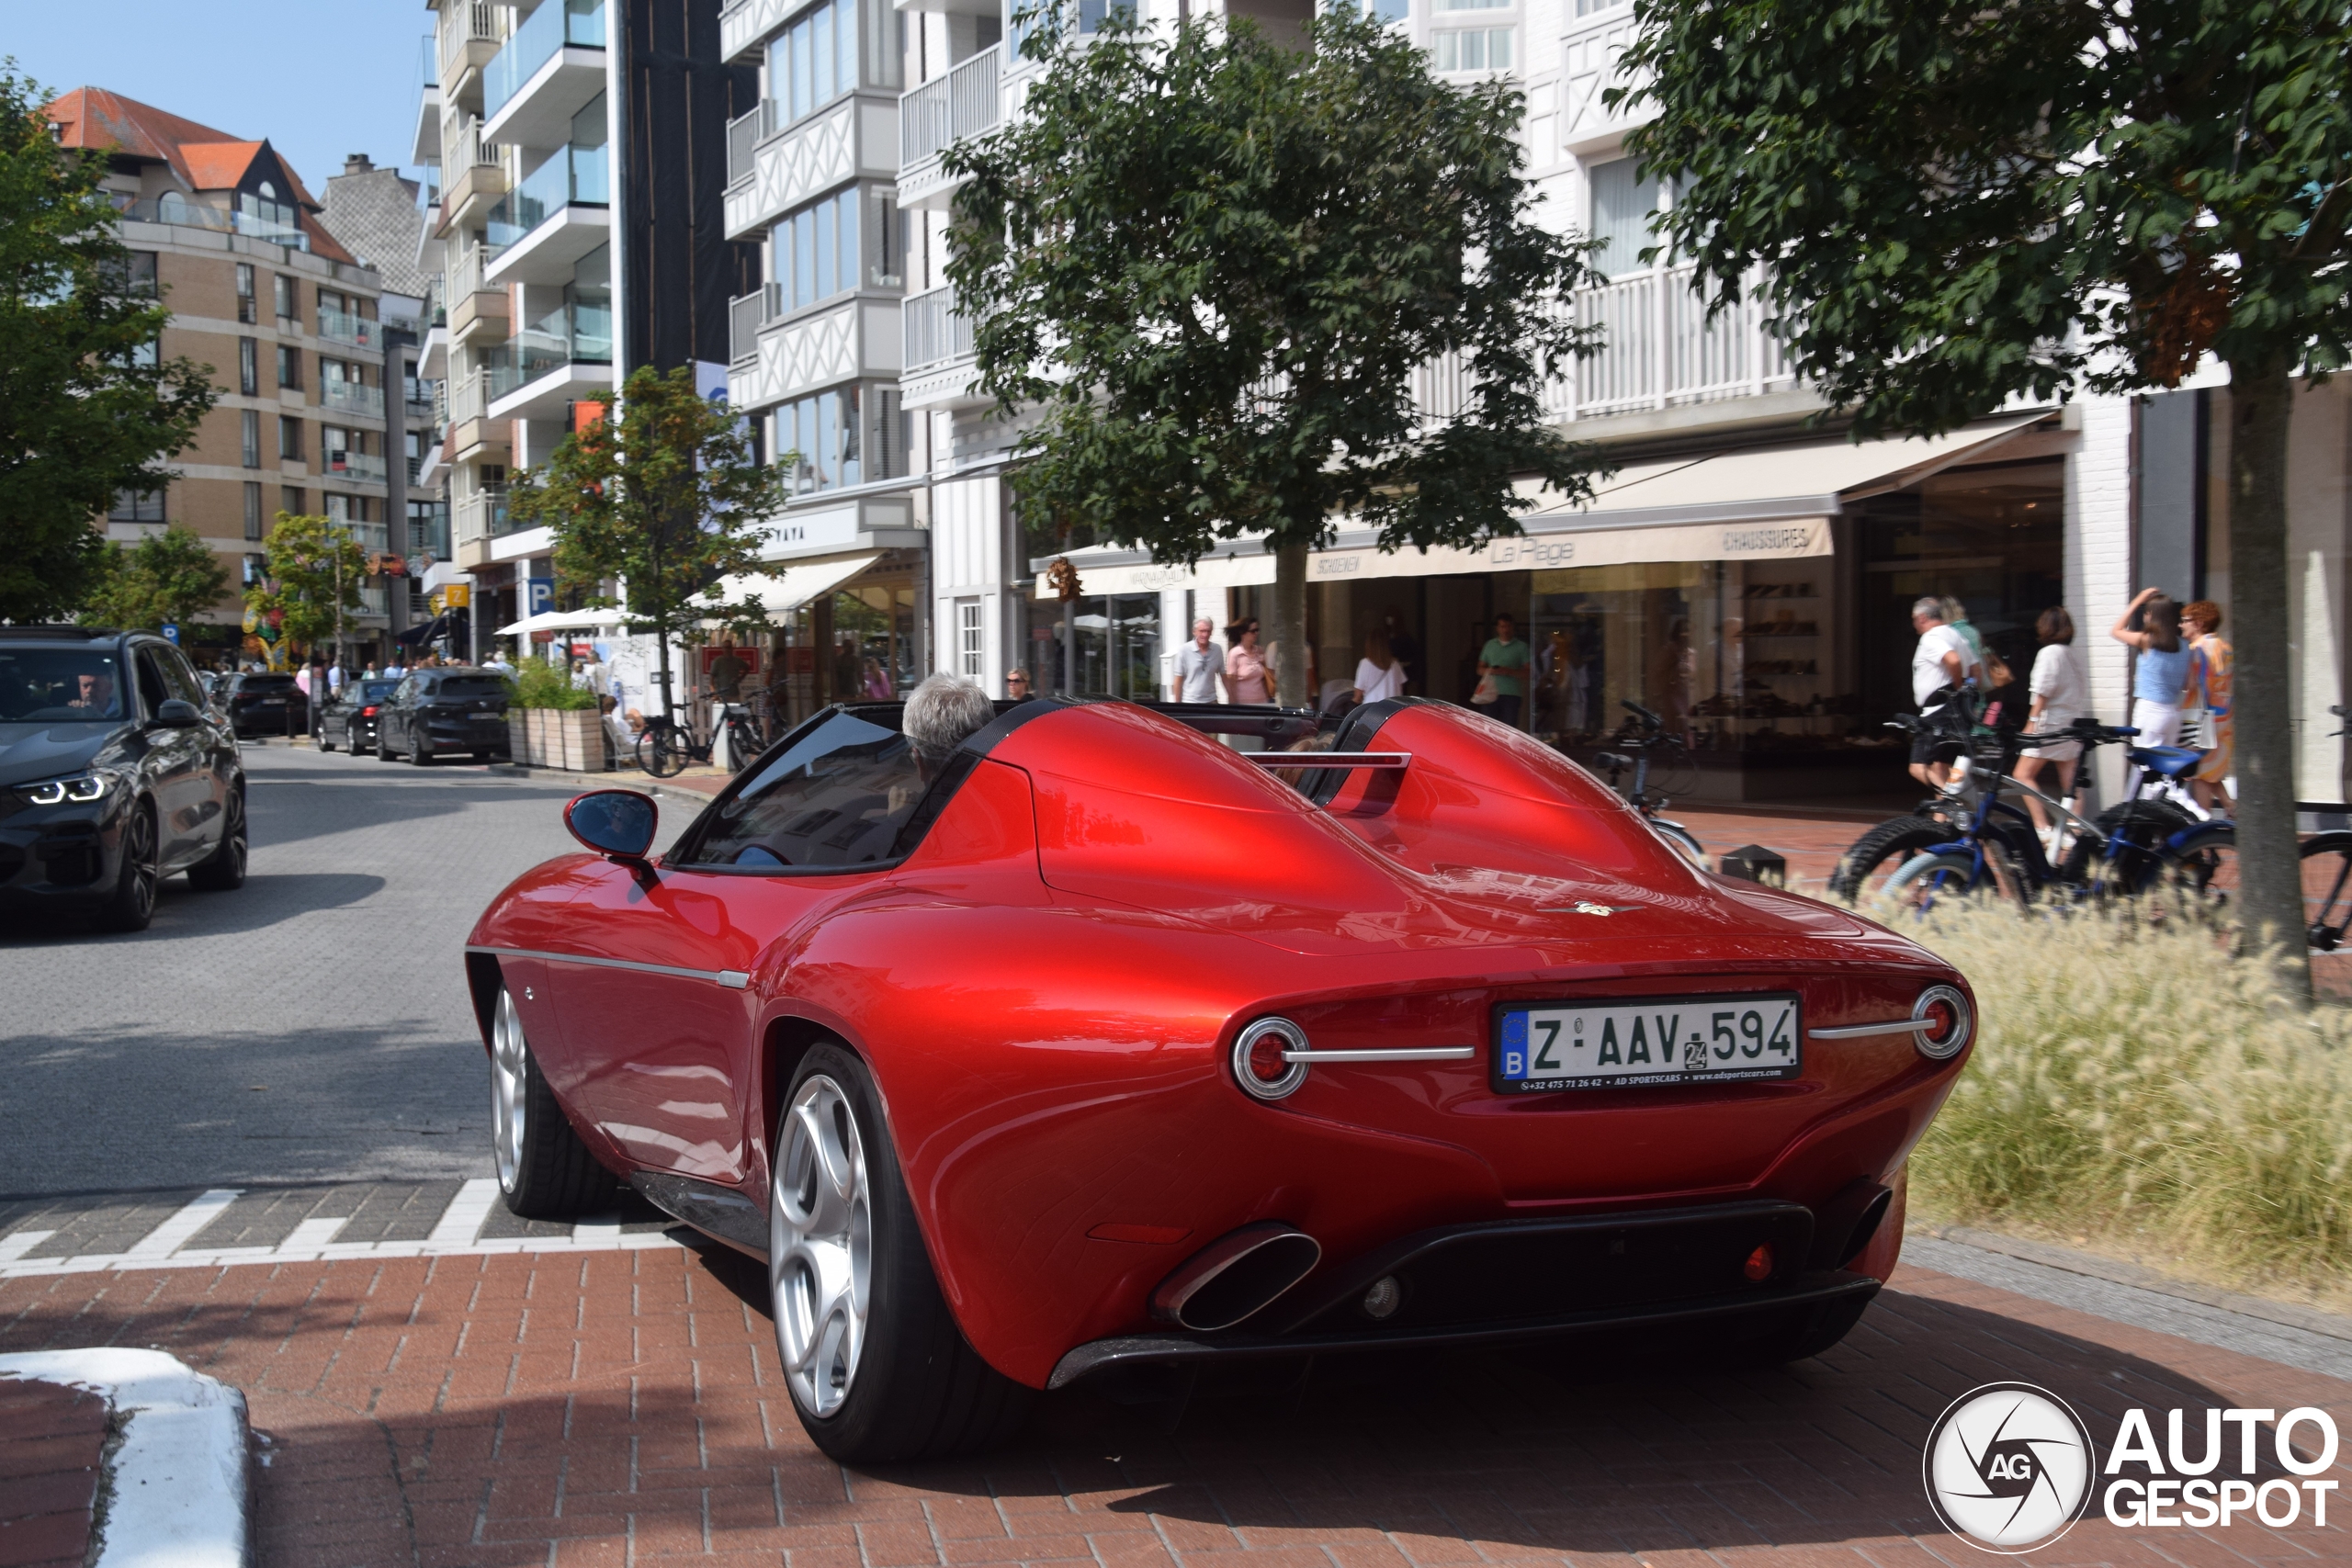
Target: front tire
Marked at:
223, 870
545, 1171
1887, 847
878, 1368
131, 905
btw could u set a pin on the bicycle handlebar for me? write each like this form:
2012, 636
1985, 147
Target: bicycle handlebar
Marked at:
1612, 761
1648, 718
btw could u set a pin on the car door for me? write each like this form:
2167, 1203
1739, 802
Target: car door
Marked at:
661, 1025
391, 723
174, 766
212, 758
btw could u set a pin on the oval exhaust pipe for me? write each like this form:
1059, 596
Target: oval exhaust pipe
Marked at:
1235, 1276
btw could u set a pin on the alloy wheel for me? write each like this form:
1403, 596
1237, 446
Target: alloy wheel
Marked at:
139, 861
509, 1057
821, 1251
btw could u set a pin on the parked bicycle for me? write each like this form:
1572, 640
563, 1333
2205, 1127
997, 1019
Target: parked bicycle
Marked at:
666, 747
1645, 732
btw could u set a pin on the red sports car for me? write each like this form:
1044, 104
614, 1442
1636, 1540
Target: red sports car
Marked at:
1101, 1043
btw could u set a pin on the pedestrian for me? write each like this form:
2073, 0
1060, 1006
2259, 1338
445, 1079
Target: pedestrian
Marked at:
1016, 684
1245, 665
1942, 665
1956, 617
2209, 689
497, 663
335, 679
2059, 697
1503, 661
2150, 626
368, 674
1199, 663
1379, 675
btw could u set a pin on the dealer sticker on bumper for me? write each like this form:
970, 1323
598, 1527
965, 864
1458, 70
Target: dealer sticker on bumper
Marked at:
1646, 1042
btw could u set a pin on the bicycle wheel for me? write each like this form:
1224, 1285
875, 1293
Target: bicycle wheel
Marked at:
2133, 855
1932, 877
2327, 905
1676, 834
1862, 871
661, 752
2198, 881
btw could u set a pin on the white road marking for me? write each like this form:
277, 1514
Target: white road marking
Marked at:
312, 1235
461, 1221
16, 1247
601, 1232
165, 1238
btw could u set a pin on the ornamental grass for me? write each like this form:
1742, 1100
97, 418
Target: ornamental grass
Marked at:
2139, 1090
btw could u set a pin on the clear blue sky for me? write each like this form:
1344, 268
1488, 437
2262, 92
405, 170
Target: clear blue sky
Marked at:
317, 78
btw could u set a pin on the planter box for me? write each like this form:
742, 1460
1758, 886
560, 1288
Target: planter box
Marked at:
557, 738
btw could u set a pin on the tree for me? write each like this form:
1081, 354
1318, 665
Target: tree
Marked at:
81, 416
665, 495
1960, 204
167, 579
1212, 264
314, 569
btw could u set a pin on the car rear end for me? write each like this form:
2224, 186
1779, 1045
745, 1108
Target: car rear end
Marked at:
268, 705
463, 711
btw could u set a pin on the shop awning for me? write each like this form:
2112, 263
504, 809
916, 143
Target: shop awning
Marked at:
786, 588
1763, 503
566, 621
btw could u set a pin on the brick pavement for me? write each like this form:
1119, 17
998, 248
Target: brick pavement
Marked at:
621, 1408
52, 1439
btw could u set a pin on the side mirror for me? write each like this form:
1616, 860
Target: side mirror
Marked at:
174, 714
616, 823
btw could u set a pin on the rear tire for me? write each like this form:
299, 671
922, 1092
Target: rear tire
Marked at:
1887, 847
878, 1368
545, 1171
2143, 826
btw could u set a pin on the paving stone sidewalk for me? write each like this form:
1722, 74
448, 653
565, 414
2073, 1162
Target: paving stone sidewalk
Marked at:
52, 1440
615, 1408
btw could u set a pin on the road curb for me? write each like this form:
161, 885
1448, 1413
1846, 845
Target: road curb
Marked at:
179, 1484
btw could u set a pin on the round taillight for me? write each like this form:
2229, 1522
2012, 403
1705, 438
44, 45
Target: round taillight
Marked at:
1258, 1058
1949, 1022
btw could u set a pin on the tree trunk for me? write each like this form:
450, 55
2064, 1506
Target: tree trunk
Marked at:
2262, 699
1288, 633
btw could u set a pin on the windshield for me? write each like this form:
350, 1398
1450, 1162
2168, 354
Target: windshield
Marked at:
268, 683
50, 685
839, 796
471, 686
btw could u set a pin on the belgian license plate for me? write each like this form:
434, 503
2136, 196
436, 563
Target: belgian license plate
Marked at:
1645, 1041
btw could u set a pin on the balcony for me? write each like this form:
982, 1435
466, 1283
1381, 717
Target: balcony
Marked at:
939, 373
556, 215
548, 71
425, 146
350, 398
353, 467
745, 24
428, 531
467, 39
747, 316
553, 363
771, 171
478, 308
479, 518
1589, 51
352, 331
477, 178
965, 102
173, 208
472, 433
854, 340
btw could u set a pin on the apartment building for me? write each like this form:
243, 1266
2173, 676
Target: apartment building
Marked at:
286, 317
559, 265
1745, 573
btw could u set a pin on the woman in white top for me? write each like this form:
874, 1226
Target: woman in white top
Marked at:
1379, 675
2060, 697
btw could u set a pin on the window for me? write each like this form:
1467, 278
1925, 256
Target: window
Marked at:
137, 275
252, 508
1396, 10
256, 567
823, 431
968, 633
1469, 5
246, 308
817, 250
137, 506
1480, 48
1623, 203
249, 435
148, 355
292, 500
248, 366
1094, 14
841, 795
289, 439
282, 287
289, 366
814, 61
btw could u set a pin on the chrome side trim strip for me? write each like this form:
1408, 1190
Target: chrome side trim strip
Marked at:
1330, 760
1409, 1054
1857, 1031
733, 979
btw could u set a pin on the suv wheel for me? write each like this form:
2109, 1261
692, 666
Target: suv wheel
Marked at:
132, 902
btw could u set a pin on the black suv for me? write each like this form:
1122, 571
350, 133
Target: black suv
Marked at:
449, 708
113, 775
264, 704
348, 719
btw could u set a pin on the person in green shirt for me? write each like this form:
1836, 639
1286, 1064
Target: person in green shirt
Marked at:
1505, 659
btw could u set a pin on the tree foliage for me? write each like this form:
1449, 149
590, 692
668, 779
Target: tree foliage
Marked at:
313, 571
81, 416
1212, 264
667, 495
167, 578
1952, 204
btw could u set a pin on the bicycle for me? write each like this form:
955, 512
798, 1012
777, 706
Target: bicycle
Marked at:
1646, 731
665, 747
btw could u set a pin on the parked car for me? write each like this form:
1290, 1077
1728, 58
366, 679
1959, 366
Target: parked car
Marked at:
439, 712
348, 719
113, 775
1099, 1047
259, 705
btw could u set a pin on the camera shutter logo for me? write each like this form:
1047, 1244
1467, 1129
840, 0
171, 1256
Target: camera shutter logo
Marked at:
2009, 1467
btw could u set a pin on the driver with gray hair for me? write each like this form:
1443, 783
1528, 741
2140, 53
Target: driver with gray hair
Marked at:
939, 712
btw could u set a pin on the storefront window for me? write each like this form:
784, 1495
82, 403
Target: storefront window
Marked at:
1115, 645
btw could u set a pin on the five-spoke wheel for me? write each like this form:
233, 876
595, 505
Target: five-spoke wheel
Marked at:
820, 1245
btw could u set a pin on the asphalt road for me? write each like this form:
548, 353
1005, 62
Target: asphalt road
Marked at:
310, 1027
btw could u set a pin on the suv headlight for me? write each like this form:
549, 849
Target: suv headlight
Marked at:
80, 788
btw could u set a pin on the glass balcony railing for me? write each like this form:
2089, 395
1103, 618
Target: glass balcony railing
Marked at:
173, 208
580, 333
339, 326
574, 177
350, 397
557, 23
356, 466
428, 529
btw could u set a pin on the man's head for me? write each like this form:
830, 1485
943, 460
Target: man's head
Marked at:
1926, 611
94, 691
1202, 631
1016, 684
941, 713
1505, 628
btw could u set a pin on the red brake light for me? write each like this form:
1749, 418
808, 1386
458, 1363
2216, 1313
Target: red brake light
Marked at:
1759, 1267
367, 712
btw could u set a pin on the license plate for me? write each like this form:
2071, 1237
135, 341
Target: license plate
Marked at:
1645, 1041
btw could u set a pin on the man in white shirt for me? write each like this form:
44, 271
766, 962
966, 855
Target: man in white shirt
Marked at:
1199, 663
1938, 665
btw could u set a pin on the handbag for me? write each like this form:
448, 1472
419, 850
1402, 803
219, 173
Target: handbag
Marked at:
1487, 692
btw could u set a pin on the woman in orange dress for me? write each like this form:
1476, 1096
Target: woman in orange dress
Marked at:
2208, 687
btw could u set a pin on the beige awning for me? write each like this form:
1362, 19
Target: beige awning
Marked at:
1761, 503
786, 588
566, 621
